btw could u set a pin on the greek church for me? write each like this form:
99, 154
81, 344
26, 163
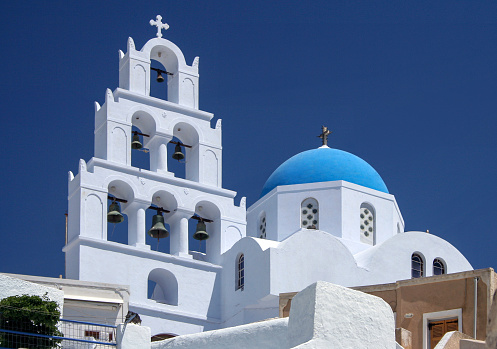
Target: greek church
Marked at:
323, 215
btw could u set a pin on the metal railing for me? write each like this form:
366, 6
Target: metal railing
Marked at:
27, 332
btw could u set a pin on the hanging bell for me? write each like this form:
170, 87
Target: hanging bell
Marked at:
136, 144
178, 155
158, 230
114, 215
160, 78
201, 231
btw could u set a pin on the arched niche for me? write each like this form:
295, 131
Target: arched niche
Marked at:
166, 200
210, 211
143, 123
163, 286
186, 134
169, 56
182, 85
119, 145
93, 216
122, 190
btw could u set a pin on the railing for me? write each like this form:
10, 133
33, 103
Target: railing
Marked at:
70, 334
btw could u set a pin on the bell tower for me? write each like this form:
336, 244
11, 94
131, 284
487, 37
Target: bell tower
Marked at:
128, 115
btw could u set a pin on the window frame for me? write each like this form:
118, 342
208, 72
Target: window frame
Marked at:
315, 215
442, 267
371, 224
421, 262
240, 272
262, 226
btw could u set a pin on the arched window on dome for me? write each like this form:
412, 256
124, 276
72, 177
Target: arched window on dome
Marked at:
240, 272
309, 214
262, 225
367, 224
417, 266
439, 267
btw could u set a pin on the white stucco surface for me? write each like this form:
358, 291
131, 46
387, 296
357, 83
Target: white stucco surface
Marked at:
271, 334
10, 286
323, 315
131, 336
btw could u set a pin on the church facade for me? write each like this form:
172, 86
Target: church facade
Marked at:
324, 214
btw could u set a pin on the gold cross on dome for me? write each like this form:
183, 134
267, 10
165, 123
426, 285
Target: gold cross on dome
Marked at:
324, 135
158, 23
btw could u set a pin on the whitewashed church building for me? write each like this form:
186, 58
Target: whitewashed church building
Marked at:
324, 214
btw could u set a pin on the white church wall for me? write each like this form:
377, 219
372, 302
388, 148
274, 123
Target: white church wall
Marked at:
268, 205
135, 267
288, 266
294, 266
391, 261
339, 208
257, 274
385, 212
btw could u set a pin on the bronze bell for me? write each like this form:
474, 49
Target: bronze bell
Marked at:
114, 215
178, 155
158, 230
136, 144
160, 78
201, 231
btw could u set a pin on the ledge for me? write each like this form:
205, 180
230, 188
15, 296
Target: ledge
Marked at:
162, 104
134, 251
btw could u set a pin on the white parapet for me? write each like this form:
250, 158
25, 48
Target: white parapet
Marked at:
131, 336
322, 316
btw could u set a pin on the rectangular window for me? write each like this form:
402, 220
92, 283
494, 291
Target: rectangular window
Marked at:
94, 334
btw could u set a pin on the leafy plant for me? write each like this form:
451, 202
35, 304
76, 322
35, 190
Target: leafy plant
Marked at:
29, 314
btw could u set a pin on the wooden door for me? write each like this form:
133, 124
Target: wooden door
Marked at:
439, 328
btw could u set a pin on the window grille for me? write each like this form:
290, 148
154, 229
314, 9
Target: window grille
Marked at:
417, 266
309, 214
438, 267
262, 226
367, 224
240, 277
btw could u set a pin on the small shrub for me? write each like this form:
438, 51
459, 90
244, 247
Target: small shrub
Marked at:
31, 314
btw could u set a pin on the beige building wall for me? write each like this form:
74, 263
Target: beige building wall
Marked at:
417, 301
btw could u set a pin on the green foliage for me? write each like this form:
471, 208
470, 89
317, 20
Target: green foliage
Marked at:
32, 314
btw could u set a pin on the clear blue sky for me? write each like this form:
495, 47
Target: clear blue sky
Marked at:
409, 86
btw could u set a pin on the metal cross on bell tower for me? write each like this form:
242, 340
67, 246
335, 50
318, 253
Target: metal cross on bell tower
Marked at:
158, 23
324, 135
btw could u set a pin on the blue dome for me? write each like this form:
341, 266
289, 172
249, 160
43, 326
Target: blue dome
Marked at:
322, 165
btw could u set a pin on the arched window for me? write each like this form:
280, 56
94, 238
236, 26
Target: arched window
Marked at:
240, 272
438, 267
262, 226
367, 224
417, 266
309, 214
